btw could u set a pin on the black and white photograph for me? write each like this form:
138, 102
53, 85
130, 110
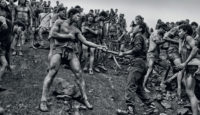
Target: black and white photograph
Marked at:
99, 57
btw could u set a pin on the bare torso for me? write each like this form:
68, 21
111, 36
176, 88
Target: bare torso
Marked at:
22, 13
65, 28
153, 47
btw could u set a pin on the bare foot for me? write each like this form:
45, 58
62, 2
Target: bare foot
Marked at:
43, 106
88, 105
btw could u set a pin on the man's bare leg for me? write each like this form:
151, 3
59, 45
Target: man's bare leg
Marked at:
23, 37
41, 37
190, 87
164, 73
85, 55
149, 71
76, 69
54, 67
4, 64
179, 76
92, 50
51, 49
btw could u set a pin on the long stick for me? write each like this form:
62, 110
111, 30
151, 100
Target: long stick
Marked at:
116, 62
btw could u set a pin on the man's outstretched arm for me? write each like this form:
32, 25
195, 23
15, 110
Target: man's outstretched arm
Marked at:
85, 42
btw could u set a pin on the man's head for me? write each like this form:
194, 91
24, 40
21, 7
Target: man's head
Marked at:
27, 3
116, 10
162, 28
74, 15
139, 19
103, 15
91, 11
3, 3
57, 3
90, 17
187, 21
79, 8
49, 3
185, 30
41, 1
171, 25
45, 3
159, 21
22, 2
61, 5
11, 1
138, 29
194, 26
61, 12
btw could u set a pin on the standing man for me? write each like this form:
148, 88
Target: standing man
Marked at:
137, 72
156, 39
24, 15
189, 51
66, 36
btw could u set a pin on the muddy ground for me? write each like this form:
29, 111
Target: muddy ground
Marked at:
105, 90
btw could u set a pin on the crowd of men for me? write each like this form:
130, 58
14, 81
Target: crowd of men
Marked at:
78, 39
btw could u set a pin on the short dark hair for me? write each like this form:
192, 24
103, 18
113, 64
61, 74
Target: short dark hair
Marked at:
163, 26
77, 6
60, 9
72, 12
139, 16
194, 24
187, 28
104, 14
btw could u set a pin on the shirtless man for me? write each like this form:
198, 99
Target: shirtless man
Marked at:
66, 36
5, 40
156, 39
23, 14
172, 39
189, 50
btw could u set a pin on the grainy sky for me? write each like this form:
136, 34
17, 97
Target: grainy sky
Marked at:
151, 10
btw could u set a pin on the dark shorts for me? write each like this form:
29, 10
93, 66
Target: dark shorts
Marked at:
191, 69
66, 54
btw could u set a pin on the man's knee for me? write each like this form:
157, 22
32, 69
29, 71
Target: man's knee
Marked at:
190, 92
4, 63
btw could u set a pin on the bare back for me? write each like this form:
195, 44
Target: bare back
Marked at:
153, 47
